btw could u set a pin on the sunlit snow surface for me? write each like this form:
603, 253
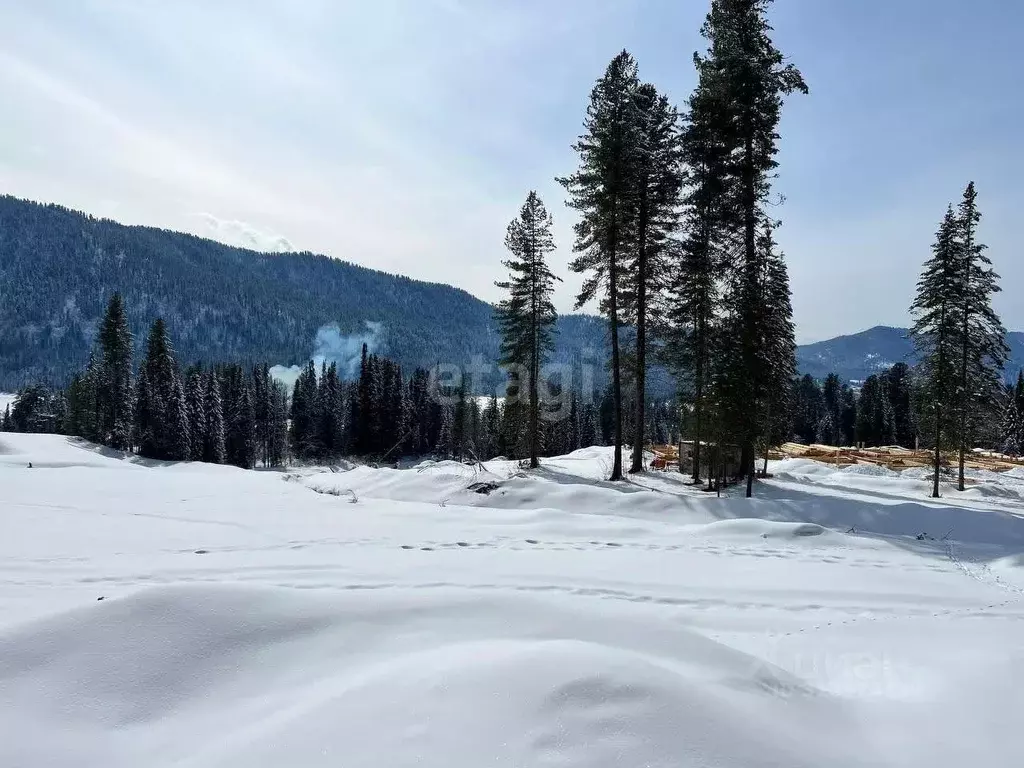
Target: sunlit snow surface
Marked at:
379, 617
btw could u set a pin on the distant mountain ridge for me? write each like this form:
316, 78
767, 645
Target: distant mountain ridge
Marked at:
58, 268
857, 356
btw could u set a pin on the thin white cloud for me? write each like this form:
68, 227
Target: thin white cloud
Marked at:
243, 235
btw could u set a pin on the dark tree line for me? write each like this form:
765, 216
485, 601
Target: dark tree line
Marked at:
881, 412
224, 414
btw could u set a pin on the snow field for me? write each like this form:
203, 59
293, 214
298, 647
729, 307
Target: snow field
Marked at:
192, 615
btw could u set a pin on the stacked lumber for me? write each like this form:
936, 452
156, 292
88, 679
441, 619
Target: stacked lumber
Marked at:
892, 457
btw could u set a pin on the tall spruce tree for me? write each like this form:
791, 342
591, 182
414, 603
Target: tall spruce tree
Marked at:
936, 334
114, 387
656, 182
777, 342
603, 191
213, 439
195, 400
158, 372
695, 285
897, 381
240, 438
526, 317
277, 438
982, 344
831, 394
176, 420
753, 78
147, 417
1012, 425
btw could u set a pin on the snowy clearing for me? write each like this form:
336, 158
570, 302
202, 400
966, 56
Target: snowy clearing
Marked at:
196, 615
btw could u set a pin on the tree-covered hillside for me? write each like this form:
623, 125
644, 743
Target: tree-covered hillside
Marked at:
859, 355
59, 267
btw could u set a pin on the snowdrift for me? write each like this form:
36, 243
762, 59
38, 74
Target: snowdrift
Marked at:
232, 676
446, 615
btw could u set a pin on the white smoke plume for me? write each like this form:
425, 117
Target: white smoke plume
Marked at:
332, 346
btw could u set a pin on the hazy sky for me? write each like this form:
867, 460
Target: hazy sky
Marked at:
404, 134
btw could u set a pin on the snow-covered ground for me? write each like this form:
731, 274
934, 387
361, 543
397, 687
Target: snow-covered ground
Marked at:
458, 617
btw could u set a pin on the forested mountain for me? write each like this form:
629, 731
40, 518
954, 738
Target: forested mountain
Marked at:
859, 355
59, 267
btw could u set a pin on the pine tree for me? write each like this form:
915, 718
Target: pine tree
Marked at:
82, 413
656, 186
588, 426
753, 78
241, 428
776, 349
876, 425
360, 407
305, 414
1017, 396
696, 294
827, 429
848, 416
526, 317
831, 395
1012, 426
160, 369
195, 400
147, 417
114, 387
213, 439
602, 190
936, 332
897, 382
573, 427
277, 434
35, 410
982, 348
490, 426
179, 442
808, 409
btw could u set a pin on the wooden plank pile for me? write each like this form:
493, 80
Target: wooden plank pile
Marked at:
892, 457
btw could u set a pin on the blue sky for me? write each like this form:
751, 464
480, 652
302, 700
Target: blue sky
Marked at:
404, 134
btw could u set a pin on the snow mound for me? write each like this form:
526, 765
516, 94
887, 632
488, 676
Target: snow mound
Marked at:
56, 452
869, 470
232, 676
758, 528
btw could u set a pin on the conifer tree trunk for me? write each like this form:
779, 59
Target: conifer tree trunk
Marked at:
534, 373
641, 370
613, 319
938, 455
964, 402
964, 350
698, 399
642, 277
749, 324
938, 417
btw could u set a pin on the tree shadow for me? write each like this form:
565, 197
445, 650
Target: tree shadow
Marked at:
987, 533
